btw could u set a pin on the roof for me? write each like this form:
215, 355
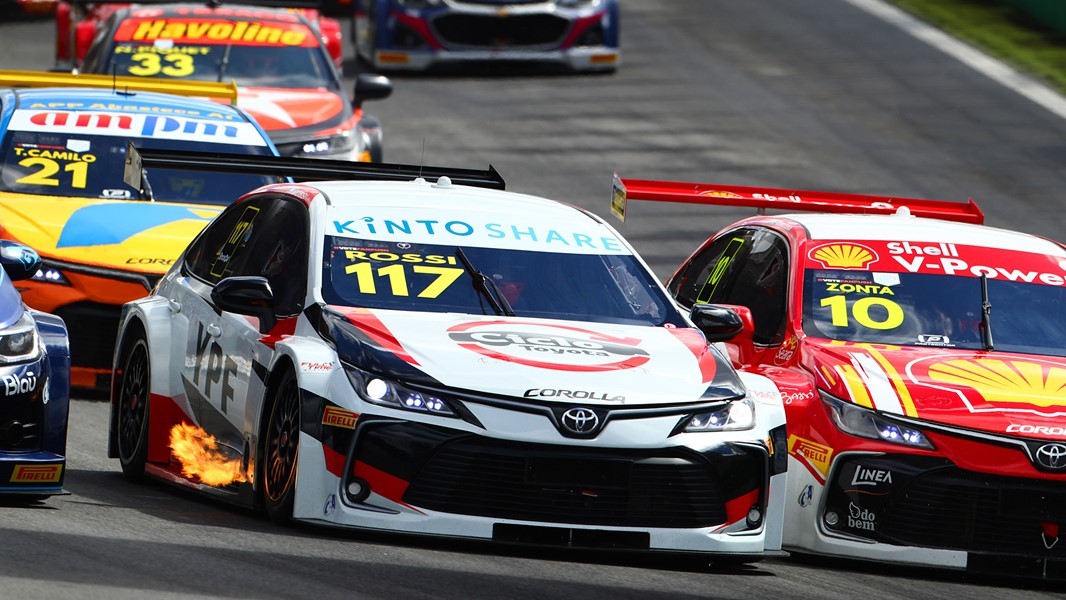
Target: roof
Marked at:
425, 212
901, 228
113, 101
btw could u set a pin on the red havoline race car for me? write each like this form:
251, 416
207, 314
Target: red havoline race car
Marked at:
922, 362
437, 358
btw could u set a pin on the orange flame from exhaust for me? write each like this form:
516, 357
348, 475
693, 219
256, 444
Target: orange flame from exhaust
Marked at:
200, 457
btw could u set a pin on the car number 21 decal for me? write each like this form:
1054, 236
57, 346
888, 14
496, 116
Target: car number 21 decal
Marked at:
45, 167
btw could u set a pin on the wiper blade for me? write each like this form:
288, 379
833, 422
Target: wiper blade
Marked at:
224, 63
486, 287
986, 310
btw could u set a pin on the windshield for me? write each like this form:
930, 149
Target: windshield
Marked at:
917, 309
254, 54
62, 153
432, 278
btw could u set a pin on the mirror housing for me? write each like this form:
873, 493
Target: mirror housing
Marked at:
729, 323
370, 87
250, 296
19, 260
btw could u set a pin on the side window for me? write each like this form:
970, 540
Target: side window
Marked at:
709, 272
265, 237
745, 267
208, 257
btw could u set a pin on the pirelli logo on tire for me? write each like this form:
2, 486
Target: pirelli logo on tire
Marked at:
338, 417
36, 473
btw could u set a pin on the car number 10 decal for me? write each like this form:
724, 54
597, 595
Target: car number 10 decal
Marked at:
860, 311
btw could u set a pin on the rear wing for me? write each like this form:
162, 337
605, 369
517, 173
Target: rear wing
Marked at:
298, 169
118, 83
784, 199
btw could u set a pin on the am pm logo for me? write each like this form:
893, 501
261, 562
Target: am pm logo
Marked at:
36, 473
814, 454
999, 385
843, 255
338, 417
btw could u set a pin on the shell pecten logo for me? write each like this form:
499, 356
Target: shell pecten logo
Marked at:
1006, 381
843, 255
720, 194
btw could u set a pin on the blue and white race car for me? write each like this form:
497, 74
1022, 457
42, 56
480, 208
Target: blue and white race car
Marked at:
35, 384
427, 355
417, 34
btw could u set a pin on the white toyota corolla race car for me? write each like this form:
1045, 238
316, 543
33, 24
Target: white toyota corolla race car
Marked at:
419, 355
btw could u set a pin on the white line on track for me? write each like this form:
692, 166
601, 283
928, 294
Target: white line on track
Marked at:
975, 59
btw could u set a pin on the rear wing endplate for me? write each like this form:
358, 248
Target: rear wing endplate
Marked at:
299, 169
119, 83
787, 200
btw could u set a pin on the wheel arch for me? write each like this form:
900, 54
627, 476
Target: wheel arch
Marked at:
136, 320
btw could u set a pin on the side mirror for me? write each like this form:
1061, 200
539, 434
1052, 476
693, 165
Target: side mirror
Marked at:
19, 261
728, 323
717, 322
250, 296
371, 87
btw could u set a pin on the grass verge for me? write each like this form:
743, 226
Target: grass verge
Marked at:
1000, 31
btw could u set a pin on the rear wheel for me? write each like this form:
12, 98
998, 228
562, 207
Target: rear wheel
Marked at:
281, 449
132, 402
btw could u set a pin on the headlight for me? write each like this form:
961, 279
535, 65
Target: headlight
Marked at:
385, 392
869, 424
50, 274
19, 341
735, 416
576, 3
328, 146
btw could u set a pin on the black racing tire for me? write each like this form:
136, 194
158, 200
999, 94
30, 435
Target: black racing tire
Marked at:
281, 447
132, 406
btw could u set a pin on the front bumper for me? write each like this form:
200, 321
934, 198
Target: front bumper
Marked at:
925, 510
381, 472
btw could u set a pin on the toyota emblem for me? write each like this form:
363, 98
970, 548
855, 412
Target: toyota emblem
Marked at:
581, 421
1052, 456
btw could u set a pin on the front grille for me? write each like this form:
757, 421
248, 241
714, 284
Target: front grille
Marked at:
490, 32
92, 328
956, 509
496, 479
20, 418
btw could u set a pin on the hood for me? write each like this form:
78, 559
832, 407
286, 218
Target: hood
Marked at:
144, 237
541, 359
995, 392
280, 110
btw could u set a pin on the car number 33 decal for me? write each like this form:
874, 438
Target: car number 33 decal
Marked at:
404, 273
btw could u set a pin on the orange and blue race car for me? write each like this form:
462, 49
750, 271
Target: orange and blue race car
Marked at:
921, 360
102, 242
288, 80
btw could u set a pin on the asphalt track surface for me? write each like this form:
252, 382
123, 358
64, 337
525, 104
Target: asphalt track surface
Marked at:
784, 93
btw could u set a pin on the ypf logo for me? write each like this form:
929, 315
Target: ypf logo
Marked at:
1051, 457
555, 347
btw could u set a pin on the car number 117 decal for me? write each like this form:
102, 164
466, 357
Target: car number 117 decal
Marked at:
396, 274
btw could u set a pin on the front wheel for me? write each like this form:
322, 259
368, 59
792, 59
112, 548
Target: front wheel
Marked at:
133, 411
281, 449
